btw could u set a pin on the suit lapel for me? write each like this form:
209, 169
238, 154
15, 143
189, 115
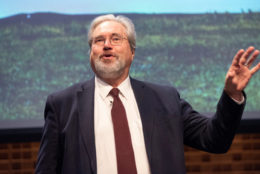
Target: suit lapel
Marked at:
86, 119
147, 107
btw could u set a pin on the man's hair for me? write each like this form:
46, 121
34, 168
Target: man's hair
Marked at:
126, 22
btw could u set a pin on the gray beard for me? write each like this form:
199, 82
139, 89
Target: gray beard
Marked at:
109, 71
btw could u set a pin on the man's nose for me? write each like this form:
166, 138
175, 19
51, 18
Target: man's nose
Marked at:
107, 44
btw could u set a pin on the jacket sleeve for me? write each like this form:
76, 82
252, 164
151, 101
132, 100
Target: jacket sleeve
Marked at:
212, 134
49, 158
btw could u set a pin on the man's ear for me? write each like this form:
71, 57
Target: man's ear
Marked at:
133, 54
89, 50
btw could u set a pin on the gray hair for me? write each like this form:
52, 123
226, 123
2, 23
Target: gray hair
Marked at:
126, 22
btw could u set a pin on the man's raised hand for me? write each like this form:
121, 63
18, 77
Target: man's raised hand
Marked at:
240, 72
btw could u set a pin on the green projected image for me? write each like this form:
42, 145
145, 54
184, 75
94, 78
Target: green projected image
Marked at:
45, 52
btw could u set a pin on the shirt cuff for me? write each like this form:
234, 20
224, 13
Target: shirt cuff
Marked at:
239, 102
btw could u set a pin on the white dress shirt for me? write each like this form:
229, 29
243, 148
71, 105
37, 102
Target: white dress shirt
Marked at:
104, 133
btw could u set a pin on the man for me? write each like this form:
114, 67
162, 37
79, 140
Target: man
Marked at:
82, 134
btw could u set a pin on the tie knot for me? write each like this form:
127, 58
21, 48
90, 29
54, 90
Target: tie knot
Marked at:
114, 92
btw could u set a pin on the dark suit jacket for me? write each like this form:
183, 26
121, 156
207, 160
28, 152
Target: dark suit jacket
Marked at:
68, 142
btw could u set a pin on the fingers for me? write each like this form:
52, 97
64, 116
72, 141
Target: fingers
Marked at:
255, 69
237, 57
246, 55
252, 58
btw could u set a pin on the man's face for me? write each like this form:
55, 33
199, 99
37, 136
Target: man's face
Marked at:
110, 62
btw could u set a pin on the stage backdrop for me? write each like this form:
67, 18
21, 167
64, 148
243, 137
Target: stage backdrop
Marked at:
43, 49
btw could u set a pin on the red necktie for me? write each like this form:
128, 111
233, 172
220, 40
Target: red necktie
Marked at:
123, 143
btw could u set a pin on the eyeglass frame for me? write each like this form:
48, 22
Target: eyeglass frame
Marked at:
103, 41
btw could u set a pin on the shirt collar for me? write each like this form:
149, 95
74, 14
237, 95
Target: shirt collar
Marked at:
104, 88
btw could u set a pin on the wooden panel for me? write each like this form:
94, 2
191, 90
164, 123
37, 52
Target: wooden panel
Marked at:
242, 157
18, 157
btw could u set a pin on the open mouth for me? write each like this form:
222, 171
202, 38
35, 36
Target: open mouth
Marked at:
107, 56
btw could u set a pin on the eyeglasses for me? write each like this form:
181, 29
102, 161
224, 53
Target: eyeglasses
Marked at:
115, 40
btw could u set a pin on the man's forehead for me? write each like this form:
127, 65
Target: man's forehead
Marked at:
109, 34
109, 28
